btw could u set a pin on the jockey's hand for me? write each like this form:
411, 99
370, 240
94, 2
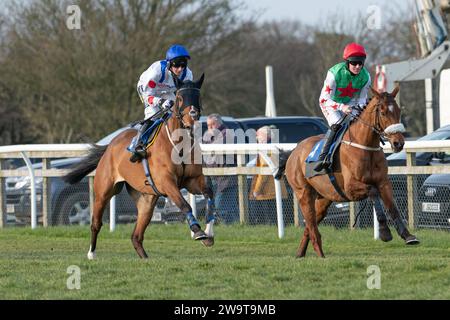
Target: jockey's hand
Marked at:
346, 109
167, 104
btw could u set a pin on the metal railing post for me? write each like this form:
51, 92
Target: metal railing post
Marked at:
112, 214
3, 213
193, 204
46, 192
33, 190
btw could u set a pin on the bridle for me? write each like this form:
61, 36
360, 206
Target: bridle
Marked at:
194, 111
383, 133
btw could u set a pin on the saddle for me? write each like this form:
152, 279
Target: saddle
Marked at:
150, 135
312, 159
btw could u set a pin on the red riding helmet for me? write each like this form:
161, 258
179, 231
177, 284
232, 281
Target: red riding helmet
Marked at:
354, 52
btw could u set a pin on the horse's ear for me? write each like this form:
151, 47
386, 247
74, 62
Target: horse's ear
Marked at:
375, 92
199, 82
395, 91
178, 82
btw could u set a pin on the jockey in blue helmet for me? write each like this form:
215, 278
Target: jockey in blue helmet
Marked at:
156, 89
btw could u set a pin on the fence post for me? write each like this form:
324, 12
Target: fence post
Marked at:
376, 225
3, 212
279, 205
242, 191
46, 192
352, 215
193, 204
410, 161
296, 212
112, 214
33, 189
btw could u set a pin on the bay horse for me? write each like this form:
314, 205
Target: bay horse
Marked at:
360, 170
114, 170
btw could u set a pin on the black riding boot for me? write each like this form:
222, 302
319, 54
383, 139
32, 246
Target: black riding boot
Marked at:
139, 151
329, 141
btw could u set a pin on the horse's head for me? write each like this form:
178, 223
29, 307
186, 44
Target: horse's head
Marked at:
387, 118
188, 105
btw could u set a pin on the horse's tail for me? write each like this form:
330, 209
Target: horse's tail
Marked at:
86, 165
283, 158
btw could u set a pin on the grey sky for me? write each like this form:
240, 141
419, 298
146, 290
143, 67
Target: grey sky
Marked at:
310, 12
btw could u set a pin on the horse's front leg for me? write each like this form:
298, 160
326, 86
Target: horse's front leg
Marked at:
385, 232
198, 185
172, 191
388, 200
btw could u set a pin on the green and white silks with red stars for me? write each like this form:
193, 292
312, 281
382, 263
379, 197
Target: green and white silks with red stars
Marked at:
340, 88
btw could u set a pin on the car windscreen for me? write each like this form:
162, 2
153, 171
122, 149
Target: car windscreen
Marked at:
290, 132
436, 135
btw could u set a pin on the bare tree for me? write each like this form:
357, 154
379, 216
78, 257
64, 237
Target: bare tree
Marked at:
80, 84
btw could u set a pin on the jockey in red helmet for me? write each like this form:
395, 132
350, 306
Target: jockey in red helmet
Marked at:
346, 86
156, 88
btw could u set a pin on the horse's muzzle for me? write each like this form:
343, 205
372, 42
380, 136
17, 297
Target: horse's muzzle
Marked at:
397, 142
397, 146
194, 113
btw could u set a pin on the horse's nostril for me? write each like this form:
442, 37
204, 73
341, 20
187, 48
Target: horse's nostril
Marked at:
398, 144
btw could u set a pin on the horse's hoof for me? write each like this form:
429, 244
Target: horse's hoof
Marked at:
209, 242
91, 255
411, 240
200, 235
385, 234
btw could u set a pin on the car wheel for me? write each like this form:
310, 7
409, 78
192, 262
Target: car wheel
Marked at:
75, 210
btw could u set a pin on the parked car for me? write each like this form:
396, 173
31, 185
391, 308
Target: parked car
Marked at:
292, 129
434, 198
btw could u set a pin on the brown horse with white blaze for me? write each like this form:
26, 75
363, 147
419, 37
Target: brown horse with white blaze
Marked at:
360, 169
114, 170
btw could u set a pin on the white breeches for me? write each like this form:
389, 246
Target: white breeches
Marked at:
333, 116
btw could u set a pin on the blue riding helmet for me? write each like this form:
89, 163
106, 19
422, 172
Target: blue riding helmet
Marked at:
177, 51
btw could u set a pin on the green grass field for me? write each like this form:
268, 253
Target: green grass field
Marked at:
245, 263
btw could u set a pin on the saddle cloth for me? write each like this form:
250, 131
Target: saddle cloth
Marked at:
312, 159
150, 135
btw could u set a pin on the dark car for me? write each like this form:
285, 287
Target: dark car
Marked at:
291, 129
434, 198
